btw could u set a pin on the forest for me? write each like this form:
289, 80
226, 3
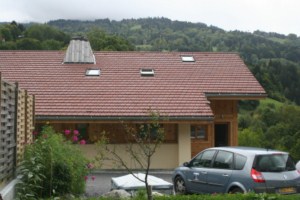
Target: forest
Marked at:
273, 58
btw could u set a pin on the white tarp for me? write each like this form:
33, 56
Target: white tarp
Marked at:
298, 165
129, 182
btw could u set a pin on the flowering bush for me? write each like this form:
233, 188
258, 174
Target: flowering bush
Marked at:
52, 166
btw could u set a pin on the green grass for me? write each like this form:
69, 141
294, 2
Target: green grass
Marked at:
136, 27
268, 101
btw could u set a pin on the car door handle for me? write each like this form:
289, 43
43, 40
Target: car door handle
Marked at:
203, 172
226, 175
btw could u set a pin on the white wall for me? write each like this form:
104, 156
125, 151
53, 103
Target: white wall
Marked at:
184, 143
166, 156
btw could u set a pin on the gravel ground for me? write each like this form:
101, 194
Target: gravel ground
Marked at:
102, 180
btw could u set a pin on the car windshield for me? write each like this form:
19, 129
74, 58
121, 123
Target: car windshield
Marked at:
274, 163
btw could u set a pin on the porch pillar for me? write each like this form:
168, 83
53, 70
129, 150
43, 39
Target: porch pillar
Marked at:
184, 143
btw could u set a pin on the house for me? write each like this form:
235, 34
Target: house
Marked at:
94, 91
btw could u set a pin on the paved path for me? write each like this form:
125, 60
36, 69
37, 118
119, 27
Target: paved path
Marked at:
102, 180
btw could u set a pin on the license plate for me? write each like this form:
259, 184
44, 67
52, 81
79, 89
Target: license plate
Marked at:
287, 190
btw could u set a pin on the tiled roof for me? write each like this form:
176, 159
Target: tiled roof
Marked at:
178, 89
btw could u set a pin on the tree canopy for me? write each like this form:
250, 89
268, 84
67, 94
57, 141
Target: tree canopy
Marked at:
271, 125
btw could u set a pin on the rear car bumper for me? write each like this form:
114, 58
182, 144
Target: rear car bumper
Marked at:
283, 190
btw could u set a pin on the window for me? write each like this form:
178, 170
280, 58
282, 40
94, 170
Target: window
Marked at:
274, 163
240, 161
187, 59
92, 72
204, 159
196, 161
147, 72
224, 160
198, 131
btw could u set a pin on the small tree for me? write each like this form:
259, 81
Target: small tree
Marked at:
142, 143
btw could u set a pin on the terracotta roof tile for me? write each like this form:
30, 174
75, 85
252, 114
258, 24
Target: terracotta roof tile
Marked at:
177, 88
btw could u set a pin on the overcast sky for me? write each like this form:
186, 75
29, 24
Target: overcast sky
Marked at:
281, 16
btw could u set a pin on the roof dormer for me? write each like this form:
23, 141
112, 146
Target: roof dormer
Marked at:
79, 51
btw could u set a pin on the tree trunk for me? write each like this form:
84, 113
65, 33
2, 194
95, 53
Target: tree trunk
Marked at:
149, 192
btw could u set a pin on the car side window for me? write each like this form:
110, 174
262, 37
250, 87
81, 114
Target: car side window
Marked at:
196, 161
240, 161
204, 159
223, 160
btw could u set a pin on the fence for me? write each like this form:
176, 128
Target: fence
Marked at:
16, 126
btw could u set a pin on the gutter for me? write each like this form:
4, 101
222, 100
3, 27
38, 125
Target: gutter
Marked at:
236, 95
122, 118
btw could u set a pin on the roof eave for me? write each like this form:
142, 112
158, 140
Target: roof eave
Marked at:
121, 118
236, 96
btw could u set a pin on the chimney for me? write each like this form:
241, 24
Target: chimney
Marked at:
79, 51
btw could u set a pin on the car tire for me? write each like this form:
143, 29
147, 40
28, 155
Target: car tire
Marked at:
180, 187
236, 190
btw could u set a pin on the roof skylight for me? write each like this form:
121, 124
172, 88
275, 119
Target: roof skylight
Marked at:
92, 72
187, 59
147, 72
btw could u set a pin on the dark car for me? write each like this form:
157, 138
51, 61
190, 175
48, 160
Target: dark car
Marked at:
238, 170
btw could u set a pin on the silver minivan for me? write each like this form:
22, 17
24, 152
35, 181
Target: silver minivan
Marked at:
238, 170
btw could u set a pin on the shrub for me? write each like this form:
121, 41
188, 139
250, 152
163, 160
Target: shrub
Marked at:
249, 196
52, 166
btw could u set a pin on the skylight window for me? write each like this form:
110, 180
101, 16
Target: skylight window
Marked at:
147, 72
187, 59
92, 72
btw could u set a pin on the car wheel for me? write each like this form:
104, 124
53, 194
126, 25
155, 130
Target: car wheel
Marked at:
236, 190
180, 187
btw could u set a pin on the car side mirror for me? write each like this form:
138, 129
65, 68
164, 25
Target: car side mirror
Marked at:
186, 164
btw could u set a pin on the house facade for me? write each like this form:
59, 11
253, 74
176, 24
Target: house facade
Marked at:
196, 94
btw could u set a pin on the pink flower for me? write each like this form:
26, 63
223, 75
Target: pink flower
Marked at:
76, 132
93, 178
67, 132
86, 178
82, 142
90, 165
75, 138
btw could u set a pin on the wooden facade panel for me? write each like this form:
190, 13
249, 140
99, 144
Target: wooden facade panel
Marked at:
226, 112
198, 144
115, 132
224, 109
226, 117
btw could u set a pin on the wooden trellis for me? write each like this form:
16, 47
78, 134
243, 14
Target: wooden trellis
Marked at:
16, 126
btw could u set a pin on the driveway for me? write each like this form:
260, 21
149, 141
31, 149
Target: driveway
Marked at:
99, 182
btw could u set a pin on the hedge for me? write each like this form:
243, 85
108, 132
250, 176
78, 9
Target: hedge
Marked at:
249, 196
